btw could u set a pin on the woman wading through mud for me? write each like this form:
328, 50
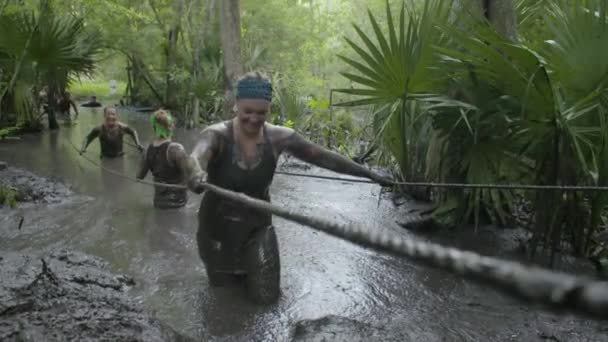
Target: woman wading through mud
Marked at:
166, 160
110, 135
241, 155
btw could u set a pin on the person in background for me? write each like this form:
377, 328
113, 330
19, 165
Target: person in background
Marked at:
167, 161
92, 102
63, 105
110, 135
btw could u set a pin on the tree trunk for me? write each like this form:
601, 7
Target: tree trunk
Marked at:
129, 91
171, 55
501, 13
198, 41
231, 50
52, 106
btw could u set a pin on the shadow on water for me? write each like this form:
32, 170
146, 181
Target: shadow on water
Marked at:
321, 276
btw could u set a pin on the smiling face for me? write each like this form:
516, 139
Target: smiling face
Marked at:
251, 114
110, 118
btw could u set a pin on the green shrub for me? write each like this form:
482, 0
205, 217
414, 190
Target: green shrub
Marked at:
8, 196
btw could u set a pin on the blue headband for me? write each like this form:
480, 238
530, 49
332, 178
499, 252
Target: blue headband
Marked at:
254, 88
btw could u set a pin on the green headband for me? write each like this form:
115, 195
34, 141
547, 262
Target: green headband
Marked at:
160, 130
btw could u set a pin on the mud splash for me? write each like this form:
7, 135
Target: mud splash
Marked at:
69, 296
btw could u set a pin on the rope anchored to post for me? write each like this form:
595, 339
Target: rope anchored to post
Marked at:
558, 290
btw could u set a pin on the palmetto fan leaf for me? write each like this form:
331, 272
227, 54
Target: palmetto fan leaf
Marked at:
44, 49
14, 31
578, 55
64, 44
390, 66
61, 43
389, 69
514, 70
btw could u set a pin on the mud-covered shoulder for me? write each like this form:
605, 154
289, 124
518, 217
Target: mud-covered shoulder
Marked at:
211, 137
96, 130
216, 128
279, 135
125, 127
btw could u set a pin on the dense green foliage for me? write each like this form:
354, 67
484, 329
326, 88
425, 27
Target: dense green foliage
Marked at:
41, 49
463, 103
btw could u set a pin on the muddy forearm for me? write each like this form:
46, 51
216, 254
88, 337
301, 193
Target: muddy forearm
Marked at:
319, 156
75, 108
188, 165
193, 173
89, 138
196, 164
133, 133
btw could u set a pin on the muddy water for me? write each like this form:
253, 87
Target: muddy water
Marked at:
331, 289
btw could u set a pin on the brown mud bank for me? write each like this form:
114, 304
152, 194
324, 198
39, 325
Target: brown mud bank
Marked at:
29, 187
65, 295
70, 296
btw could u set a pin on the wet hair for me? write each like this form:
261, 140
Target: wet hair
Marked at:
162, 123
106, 110
254, 85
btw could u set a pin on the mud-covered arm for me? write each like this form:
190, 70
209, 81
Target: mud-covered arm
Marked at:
133, 133
176, 154
195, 165
305, 150
94, 133
143, 168
74, 106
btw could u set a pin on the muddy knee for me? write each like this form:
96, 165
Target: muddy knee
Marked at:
263, 267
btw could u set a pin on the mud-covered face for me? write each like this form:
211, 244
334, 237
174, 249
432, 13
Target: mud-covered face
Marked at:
110, 119
252, 114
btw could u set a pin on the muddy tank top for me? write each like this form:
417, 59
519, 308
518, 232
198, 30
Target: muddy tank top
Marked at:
164, 171
232, 224
111, 141
224, 171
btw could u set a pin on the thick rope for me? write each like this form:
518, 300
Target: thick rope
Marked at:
538, 285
